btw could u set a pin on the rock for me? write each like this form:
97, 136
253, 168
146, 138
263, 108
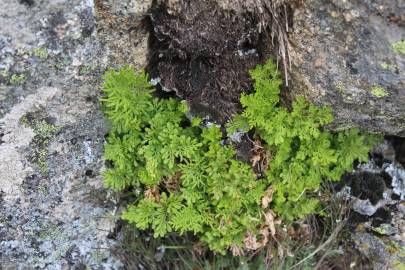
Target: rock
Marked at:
343, 55
398, 180
382, 254
376, 192
121, 28
54, 211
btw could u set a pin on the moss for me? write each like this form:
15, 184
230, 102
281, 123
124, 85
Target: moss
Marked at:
44, 129
98, 256
379, 92
399, 47
41, 53
18, 79
42, 154
380, 230
344, 126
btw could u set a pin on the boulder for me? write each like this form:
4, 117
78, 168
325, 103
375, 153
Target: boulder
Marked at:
347, 54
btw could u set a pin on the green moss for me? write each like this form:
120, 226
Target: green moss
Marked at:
399, 47
344, 126
385, 66
18, 79
42, 154
41, 53
98, 256
379, 92
380, 230
346, 95
44, 129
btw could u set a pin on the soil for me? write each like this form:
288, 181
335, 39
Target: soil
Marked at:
204, 56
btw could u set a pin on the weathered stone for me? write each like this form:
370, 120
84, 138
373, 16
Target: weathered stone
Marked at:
120, 27
54, 211
383, 253
342, 54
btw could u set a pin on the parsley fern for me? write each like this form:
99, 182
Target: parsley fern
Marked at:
192, 181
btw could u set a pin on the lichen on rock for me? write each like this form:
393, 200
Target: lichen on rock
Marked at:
356, 45
54, 211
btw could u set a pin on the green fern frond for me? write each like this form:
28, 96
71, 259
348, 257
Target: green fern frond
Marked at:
192, 180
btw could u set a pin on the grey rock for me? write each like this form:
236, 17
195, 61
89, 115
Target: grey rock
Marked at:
398, 179
55, 214
342, 55
379, 252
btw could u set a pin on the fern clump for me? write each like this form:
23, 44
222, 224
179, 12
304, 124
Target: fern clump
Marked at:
191, 181
302, 152
187, 180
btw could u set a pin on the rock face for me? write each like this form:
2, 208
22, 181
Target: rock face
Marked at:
376, 191
343, 55
54, 211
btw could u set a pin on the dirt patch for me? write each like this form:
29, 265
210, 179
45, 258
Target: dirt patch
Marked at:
204, 56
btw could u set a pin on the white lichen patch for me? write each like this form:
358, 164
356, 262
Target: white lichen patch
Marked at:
398, 179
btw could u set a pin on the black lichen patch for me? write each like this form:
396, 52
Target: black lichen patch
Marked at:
383, 215
366, 185
27, 2
89, 173
87, 22
204, 56
1, 136
57, 24
399, 145
44, 129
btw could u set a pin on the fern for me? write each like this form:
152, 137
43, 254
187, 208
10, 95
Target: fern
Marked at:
192, 181
303, 153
